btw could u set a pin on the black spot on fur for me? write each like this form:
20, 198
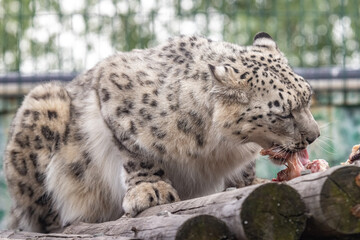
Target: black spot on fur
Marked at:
196, 119
78, 136
77, 169
281, 96
170, 197
129, 166
138, 182
114, 78
153, 103
183, 125
232, 59
158, 133
25, 189
105, 95
239, 120
34, 158
146, 165
133, 128
120, 111
46, 220
159, 173
43, 200
39, 177
156, 192
36, 115
174, 107
145, 98
199, 140
52, 114
160, 148
276, 103
87, 157
143, 174
27, 112
243, 76
38, 143
205, 76
66, 134
145, 114
57, 142
22, 141
47, 133
19, 163
170, 97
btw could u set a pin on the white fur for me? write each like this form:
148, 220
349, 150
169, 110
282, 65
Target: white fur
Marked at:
68, 198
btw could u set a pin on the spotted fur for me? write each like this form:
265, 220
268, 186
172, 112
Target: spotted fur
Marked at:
150, 127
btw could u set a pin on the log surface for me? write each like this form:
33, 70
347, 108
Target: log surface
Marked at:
277, 205
271, 211
332, 200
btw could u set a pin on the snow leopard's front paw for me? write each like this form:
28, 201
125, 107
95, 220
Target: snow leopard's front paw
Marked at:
145, 195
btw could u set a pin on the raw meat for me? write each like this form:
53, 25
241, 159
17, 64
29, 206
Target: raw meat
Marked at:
354, 155
296, 163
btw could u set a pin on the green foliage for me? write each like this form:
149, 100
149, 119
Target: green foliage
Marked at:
311, 33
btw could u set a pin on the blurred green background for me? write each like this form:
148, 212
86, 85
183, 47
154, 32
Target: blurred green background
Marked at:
42, 40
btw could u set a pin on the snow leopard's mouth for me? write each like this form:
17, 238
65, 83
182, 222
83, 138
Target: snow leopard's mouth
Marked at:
281, 156
294, 161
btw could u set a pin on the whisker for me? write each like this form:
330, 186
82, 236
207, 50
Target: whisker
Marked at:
326, 143
323, 149
324, 136
244, 140
325, 125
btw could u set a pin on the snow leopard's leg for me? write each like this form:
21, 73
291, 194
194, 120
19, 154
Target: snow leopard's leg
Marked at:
147, 184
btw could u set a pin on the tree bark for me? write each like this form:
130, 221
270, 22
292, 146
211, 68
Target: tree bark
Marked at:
267, 211
332, 200
55, 236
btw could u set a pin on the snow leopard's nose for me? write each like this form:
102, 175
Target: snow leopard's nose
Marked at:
310, 140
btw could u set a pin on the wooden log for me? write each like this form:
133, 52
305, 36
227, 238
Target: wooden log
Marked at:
267, 211
7, 234
184, 227
332, 200
204, 227
165, 226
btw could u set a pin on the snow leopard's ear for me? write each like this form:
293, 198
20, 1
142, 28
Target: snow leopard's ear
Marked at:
263, 39
223, 74
218, 72
227, 87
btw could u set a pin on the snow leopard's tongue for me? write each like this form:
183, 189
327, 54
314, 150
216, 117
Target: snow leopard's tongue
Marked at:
295, 164
303, 156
